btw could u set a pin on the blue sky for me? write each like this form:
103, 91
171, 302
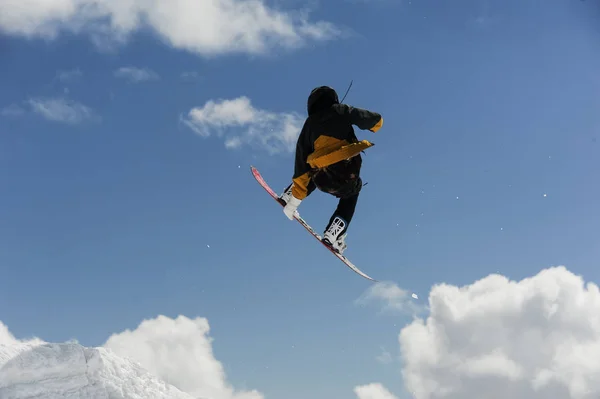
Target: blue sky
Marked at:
120, 203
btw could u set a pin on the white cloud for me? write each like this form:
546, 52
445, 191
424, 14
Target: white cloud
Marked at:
240, 123
136, 75
179, 351
202, 27
373, 391
496, 338
62, 110
392, 297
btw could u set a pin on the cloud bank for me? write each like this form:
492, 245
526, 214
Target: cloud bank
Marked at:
496, 338
239, 123
178, 351
373, 391
202, 27
537, 338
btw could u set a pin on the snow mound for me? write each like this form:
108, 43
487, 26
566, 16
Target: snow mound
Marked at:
69, 370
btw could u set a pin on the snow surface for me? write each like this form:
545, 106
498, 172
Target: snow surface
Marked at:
70, 370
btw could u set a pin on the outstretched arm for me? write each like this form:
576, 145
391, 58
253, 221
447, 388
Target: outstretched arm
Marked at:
365, 119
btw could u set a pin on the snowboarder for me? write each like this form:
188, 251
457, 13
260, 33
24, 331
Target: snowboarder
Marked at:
328, 158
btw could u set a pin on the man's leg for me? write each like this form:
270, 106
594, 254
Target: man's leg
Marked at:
345, 211
335, 232
285, 196
347, 193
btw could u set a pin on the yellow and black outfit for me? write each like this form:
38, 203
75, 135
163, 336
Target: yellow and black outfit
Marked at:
328, 151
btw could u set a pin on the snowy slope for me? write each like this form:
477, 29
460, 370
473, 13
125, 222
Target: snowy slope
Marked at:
69, 370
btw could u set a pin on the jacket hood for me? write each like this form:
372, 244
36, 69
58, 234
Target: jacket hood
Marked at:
321, 98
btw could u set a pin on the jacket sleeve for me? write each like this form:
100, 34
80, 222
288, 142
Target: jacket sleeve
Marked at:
365, 119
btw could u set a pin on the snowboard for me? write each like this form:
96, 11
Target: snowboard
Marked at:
298, 218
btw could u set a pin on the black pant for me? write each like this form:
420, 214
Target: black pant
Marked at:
344, 210
343, 181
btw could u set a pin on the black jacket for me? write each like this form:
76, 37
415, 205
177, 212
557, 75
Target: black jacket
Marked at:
328, 137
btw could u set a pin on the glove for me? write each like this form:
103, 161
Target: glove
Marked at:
291, 206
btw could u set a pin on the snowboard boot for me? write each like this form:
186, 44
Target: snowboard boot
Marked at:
286, 195
335, 235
